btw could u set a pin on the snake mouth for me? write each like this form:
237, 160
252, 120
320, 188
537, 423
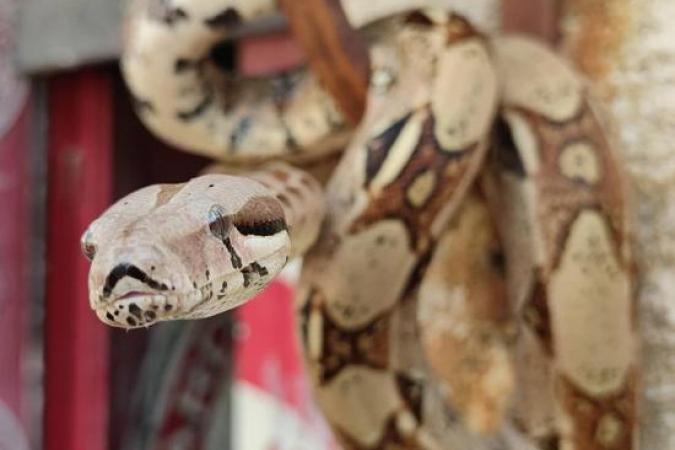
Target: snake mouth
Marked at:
133, 294
136, 309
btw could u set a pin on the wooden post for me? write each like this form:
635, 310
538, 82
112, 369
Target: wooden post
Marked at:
79, 188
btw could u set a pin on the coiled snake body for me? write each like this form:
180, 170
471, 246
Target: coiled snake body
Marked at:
431, 271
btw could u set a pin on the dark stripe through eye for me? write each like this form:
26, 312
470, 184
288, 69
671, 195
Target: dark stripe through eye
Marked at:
219, 223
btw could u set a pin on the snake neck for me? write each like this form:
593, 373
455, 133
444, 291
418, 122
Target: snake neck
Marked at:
301, 197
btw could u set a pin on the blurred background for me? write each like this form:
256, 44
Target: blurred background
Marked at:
70, 145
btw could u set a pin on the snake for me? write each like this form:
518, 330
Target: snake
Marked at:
466, 266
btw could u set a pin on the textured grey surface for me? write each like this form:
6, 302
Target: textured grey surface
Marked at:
60, 34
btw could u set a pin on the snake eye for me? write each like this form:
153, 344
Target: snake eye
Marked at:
88, 247
219, 223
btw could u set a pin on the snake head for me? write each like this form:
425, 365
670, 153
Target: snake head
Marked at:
184, 251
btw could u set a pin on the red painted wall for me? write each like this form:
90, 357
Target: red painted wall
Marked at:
79, 189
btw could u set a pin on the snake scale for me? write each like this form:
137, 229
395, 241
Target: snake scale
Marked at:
466, 265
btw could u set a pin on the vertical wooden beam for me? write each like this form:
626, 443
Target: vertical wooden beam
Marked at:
79, 188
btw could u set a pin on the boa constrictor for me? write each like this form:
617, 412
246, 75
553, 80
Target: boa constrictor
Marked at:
409, 311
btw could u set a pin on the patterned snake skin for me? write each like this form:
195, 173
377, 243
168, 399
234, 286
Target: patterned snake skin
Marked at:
467, 266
